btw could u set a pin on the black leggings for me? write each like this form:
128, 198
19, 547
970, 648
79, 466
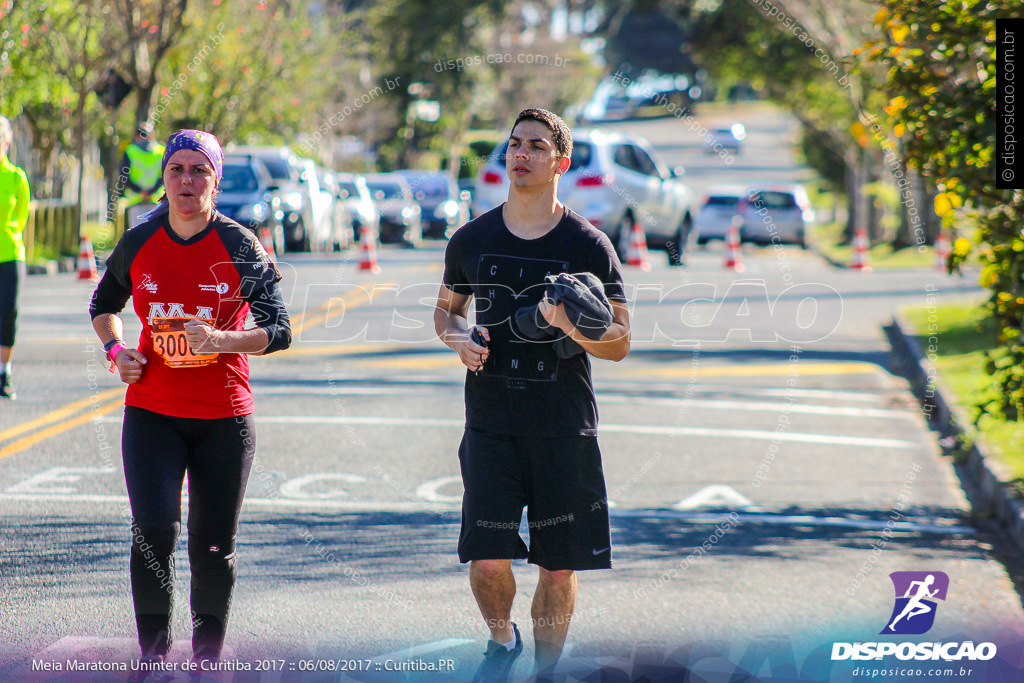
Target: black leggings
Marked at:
11, 275
217, 454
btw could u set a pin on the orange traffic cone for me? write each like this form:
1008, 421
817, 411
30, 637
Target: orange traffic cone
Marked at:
733, 258
86, 260
637, 254
942, 251
368, 260
861, 258
267, 241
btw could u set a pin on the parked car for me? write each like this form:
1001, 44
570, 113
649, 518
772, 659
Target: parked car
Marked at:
296, 207
318, 235
399, 213
718, 211
614, 180
443, 207
730, 138
776, 209
339, 218
245, 197
356, 196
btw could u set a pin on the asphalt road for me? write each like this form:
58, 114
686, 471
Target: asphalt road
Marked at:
767, 473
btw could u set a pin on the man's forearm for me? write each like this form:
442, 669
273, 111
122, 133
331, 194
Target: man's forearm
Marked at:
613, 345
448, 326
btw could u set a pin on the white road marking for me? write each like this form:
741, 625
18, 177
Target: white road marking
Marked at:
716, 495
603, 397
816, 394
296, 488
447, 509
428, 490
43, 482
773, 407
655, 430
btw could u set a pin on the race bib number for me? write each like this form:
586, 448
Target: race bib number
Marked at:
170, 343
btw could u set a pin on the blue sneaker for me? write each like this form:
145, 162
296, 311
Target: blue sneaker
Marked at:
498, 660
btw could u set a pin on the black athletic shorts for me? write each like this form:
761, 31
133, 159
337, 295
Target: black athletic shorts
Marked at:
558, 480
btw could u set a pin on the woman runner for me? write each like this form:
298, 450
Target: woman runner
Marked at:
193, 276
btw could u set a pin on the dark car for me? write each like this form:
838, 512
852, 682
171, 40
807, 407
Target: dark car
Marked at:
246, 197
399, 212
443, 208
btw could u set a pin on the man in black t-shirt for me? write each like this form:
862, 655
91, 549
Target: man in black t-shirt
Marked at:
531, 415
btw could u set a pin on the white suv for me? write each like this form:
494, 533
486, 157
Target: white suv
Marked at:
614, 180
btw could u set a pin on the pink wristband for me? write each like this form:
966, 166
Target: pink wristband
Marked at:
112, 353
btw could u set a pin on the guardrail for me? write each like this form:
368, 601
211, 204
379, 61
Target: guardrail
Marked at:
52, 223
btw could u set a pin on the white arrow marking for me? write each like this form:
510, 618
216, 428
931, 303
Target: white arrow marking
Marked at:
717, 495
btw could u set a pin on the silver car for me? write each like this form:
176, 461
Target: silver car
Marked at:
614, 181
776, 212
720, 208
356, 197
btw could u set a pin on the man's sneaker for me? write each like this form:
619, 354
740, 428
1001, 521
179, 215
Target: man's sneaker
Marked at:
498, 660
7, 387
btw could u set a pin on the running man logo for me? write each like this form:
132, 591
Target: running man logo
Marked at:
916, 595
148, 284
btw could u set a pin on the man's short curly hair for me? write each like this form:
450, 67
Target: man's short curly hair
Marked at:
561, 135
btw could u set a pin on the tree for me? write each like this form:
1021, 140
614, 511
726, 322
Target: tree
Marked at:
150, 28
941, 83
77, 48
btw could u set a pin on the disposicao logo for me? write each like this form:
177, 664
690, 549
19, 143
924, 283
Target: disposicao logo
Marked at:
916, 595
913, 613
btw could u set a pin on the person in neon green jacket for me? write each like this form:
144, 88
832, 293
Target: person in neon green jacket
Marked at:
13, 216
140, 177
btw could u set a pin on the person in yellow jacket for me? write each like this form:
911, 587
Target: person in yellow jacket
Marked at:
14, 199
141, 178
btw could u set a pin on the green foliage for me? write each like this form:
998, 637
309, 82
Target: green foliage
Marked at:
737, 43
941, 83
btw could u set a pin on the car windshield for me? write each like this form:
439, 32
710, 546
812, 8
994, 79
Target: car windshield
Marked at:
385, 190
582, 152
435, 187
774, 200
348, 190
723, 200
278, 168
238, 179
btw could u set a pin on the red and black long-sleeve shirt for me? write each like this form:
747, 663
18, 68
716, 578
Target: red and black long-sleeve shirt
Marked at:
219, 276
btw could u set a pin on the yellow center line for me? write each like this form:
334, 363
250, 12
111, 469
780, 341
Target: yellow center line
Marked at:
32, 439
350, 300
59, 413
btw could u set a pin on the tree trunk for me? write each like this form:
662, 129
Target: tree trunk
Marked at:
142, 104
852, 198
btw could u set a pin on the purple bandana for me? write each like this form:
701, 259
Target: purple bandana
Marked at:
200, 141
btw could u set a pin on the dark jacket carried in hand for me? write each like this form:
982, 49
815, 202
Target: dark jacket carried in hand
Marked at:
586, 306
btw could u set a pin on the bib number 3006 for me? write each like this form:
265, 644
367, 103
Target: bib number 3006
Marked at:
170, 343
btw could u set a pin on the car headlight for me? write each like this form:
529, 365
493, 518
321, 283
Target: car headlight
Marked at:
252, 212
293, 200
447, 209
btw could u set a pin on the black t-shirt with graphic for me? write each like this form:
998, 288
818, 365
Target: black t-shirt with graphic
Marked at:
525, 388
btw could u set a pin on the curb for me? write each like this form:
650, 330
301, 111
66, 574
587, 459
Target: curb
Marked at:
982, 478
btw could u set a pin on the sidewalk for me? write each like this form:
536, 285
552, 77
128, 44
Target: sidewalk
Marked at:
983, 478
